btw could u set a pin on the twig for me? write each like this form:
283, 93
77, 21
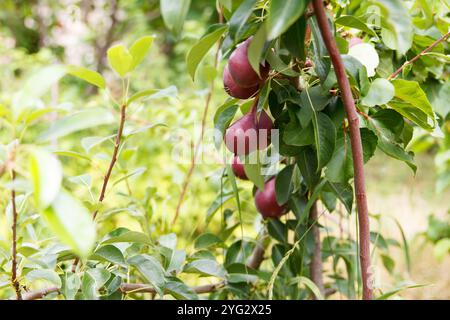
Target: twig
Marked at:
257, 256
39, 294
315, 266
125, 288
199, 142
123, 109
14, 280
434, 44
357, 152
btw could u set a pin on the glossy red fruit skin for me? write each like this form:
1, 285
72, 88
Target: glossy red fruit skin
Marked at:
241, 70
233, 89
354, 41
238, 168
264, 123
266, 202
241, 137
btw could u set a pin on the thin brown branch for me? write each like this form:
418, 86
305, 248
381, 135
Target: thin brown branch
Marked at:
14, 281
39, 294
357, 152
123, 109
200, 139
125, 288
107, 176
315, 266
434, 44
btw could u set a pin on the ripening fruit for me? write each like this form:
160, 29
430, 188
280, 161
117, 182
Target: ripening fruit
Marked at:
354, 41
238, 168
233, 89
266, 202
246, 134
264, 123
241, 137
241, 70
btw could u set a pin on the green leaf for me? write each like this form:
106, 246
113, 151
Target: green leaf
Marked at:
44, 274
222, 119
72, 223
89, 142
277, 64
412, 103
294, 39
355, 23
120, 59
142, 94
308, 284
89, 118
295, 136
180, 291
201, 48
93, 280
39, 83
207, 240
284, 184
325, 136
319, 51
239, 18
307, 163
206, 267
278, 230
381, 91
176, 261
340, 167
390, 293
109, 253
87, 75
315, 98
256, 47
125, 235
139, 50
46, 175
388, 126
283, 14
253, 170
174, 13
398, 31
343, 192
151, 270
168, 241
72, 284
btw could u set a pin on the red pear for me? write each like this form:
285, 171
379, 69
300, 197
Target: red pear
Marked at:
241, 69
233, 89
238, 168
265, 126
266, 202
241, 137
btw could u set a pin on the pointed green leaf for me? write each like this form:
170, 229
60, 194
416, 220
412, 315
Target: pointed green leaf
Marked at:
87, 75
201, 48
120, 59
